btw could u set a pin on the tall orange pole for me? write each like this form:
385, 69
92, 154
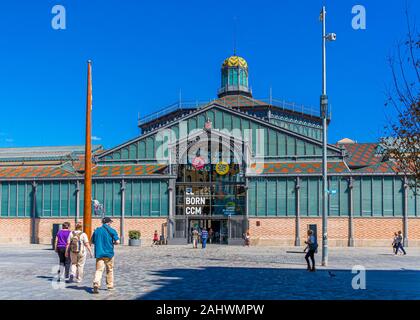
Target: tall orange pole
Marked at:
87, 210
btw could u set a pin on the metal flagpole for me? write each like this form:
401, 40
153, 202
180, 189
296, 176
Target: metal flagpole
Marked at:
324, 106
324, 115
87, 212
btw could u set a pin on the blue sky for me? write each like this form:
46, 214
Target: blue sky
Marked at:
144, 52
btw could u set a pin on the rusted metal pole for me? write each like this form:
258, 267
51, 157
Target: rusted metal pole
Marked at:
87, 212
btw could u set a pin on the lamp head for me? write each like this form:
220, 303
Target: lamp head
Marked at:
331, 37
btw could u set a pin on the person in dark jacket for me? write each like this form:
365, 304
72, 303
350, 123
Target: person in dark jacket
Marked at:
311, 248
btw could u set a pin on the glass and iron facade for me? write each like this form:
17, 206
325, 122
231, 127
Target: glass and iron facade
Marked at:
221, 166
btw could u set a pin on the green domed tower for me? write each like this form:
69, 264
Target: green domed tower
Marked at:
234, 77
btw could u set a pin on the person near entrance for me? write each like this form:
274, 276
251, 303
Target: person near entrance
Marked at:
204, 237
155, 238
104, 239
247, 238
195, 237
211, 234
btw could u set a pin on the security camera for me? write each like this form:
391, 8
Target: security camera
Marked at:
331, 37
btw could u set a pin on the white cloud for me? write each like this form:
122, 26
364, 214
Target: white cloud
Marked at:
95, 138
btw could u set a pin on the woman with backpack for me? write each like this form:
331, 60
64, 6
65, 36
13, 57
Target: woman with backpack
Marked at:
77, 244
312, 246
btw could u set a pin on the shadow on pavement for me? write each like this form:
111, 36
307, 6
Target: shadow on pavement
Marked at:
82, 288
49, 278
223, 283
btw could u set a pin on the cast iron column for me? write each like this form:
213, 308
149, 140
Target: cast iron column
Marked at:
351, 222
33, 226
405, 231
122, 221
172, 208
297, 237
77, 201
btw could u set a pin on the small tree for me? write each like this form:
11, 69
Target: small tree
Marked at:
403, 141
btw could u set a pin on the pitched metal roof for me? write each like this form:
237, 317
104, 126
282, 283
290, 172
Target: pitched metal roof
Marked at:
65, 171
381, 167
35, 172
127, 170
43, 153
225, 108
292, 168
362, 154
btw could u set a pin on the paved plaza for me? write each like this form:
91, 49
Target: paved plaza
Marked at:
218, 272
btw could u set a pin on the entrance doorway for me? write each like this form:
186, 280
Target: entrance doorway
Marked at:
217, 229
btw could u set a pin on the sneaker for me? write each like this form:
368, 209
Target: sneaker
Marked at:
95, 289
111, 288
313, 270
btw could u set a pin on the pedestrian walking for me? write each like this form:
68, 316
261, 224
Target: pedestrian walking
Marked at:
211, 234
399, 243
195, 237
394, 242
104, 238
204, 237
60, 244
247, 238
155, 238
77, 247
312, 245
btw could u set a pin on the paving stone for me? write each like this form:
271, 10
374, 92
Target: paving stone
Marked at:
218, 272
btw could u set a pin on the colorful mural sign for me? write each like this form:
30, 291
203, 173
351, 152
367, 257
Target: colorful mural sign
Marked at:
222, 168
198, 163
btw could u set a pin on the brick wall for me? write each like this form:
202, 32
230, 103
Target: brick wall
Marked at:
16, 230
146, 226
272, 231
282, 231
375, 231
414, 232
367, 231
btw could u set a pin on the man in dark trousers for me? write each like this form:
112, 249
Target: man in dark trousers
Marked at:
104, 239
399, 243
312, 246
204, 237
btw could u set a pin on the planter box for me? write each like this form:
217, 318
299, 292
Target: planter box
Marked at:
134, 242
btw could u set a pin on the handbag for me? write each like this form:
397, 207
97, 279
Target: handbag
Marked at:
109, 232
313, 246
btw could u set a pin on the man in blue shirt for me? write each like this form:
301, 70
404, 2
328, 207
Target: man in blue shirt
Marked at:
104, 239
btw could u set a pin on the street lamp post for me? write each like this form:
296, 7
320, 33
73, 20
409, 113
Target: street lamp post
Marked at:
324, 115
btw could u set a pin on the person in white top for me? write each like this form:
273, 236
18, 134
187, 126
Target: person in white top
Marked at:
77, 245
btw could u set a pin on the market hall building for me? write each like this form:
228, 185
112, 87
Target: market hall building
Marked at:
232, 164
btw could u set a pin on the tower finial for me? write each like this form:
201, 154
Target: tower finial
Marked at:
234, 34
